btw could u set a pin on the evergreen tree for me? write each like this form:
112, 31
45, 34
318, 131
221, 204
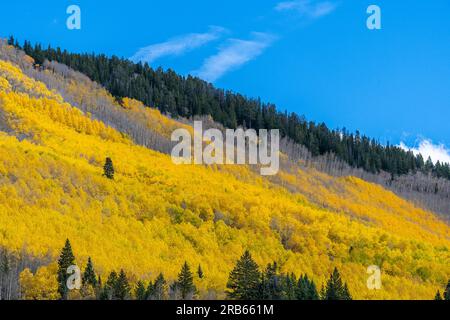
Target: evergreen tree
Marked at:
108, 292
140, 291
438, 296
335, 289
89, 276
244, 280
122, 287
149, 291
185, 283
108, 169
289, 287
200, 272
306, 289
11, 41
447, 291
346, 293
66, 259
159, 290
271, 283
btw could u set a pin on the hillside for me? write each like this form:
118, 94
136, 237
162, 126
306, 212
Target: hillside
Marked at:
189, 96
155, 215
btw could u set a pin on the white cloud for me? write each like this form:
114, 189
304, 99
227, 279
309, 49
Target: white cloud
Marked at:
178, 45
307, 8
427, 149
233, 55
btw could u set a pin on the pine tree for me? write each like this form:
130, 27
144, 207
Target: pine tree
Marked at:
140, 292
185, 283
335, 289
306, 289
200, 272
108, 169
346, 293
244, 280
271, 283
447, 291
438, 296
108, 292
159, 288
289, 286
66, 259
89, 276
122, 287
11, 41
149, 291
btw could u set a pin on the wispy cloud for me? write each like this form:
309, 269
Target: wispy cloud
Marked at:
234, 54
177, 46
308, 8
437, 152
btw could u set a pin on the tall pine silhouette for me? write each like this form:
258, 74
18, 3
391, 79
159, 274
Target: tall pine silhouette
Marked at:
244, 280
185, 284
66, 259
335, 288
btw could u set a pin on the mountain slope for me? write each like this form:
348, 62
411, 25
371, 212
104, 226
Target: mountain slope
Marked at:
190, 96
155, 215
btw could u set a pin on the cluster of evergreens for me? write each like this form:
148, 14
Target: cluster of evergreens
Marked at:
445, 295
189, 96
245, 282
118, 286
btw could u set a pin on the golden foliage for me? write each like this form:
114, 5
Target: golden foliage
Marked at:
39, 286
155, 214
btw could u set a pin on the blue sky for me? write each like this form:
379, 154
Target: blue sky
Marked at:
314, 57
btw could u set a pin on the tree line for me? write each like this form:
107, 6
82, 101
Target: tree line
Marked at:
190, 96
245, 282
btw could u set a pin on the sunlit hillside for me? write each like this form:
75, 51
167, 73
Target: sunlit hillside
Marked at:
155, 215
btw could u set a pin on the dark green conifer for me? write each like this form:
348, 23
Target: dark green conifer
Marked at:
66, 259
244, 280
185, 283
108, 169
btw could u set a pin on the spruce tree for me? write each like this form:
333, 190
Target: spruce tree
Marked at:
11, 41
185, 283
149, 291
289, 286
66, 259
306, 289
108, 169
271, 283
108, 291
312, 292
244, 280
159, 288
438, 296
346, 293
335, 289
89, 277
122, 287
140, 291
447, 291
200, 272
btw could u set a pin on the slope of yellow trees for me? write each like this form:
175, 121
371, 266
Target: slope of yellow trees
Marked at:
155, 214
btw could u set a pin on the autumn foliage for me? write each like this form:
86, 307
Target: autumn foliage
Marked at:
156, 215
